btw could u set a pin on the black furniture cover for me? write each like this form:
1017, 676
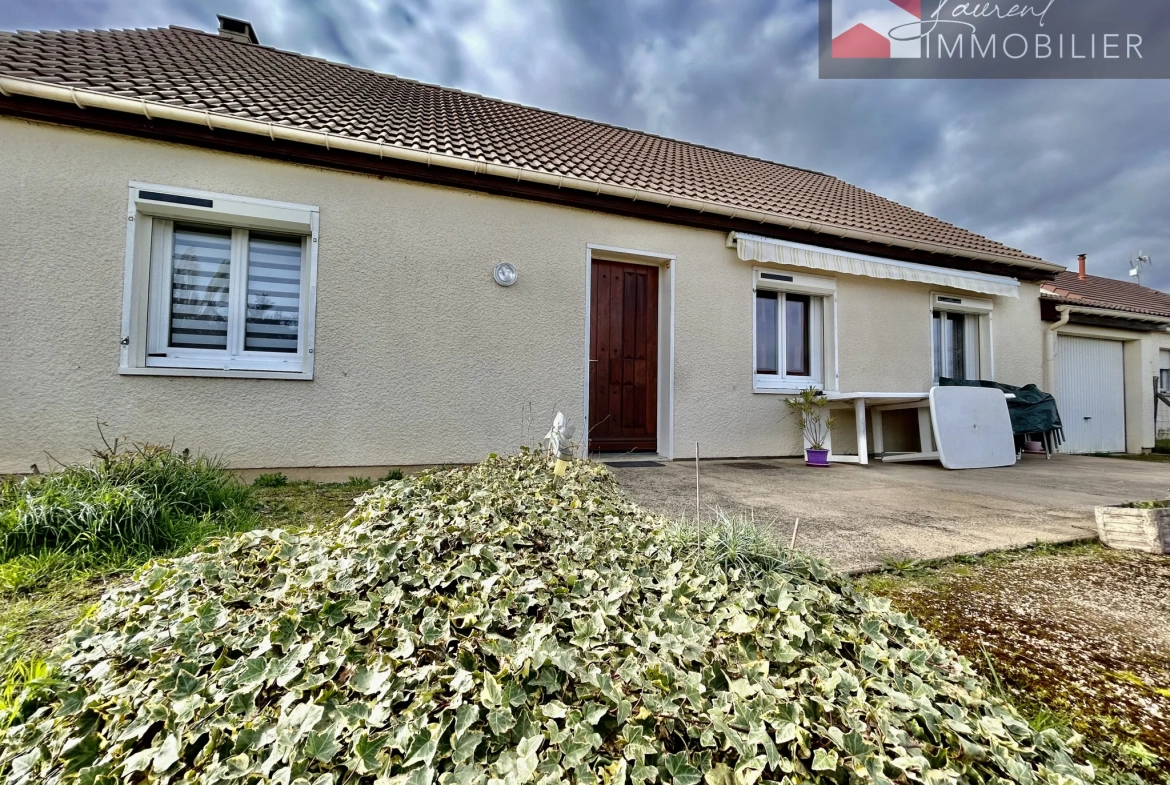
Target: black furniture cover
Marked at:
1032, 410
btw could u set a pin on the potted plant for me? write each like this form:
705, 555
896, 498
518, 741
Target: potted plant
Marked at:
808, 407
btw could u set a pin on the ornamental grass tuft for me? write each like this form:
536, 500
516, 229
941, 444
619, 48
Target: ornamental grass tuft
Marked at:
494, 626
132, 501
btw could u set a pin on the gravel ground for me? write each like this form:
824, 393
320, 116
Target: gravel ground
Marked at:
1081, 631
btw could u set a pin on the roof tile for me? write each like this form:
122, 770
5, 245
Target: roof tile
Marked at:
199, 70
1097, 292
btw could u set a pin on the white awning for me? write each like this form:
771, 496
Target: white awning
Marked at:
754, 248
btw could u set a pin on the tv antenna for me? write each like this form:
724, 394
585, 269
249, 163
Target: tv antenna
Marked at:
1137, 263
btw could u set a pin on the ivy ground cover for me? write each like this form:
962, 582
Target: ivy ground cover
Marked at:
495, 626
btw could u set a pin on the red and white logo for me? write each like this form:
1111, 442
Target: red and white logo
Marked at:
877, 28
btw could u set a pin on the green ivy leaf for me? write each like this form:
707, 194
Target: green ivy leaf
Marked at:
501, 721
168, 754
321, 746
463, 748
491, 694
368, 680
824, 760
423, 749
719, 774
366, 750
80, 753
465, 716
681, 772
461, 682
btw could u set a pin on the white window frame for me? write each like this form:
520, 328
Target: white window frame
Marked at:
976, 333
822, 292
146, 295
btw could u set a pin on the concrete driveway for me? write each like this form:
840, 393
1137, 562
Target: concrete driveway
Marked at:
858, 517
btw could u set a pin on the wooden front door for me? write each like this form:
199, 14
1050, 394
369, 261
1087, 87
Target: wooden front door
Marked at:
623, 363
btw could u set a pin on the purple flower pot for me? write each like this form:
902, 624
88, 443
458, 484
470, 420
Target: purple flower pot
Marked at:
819, 458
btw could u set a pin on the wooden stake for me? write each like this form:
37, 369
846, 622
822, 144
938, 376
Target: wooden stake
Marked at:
795, 527
696, 483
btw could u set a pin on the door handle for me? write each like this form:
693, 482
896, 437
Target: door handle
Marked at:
1088, 418
593, 361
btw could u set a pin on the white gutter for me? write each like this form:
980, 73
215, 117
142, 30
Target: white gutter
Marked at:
1050, 346
152, 110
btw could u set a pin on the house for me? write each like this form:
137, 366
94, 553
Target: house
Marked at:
1107, 358
296, 263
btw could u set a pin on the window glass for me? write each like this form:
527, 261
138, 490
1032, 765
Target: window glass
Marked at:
792, 330
955, 345
956, 341
937, 344
274, 293
201, 269
767, 333
797, 354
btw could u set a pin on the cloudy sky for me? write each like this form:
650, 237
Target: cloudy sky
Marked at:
1052, 167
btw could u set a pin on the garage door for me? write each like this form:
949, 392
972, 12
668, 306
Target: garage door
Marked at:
1091, 394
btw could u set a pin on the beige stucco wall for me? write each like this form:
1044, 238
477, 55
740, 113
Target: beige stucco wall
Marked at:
420, 358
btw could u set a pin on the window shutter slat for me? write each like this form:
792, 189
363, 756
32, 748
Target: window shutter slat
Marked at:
272, 323
200, 269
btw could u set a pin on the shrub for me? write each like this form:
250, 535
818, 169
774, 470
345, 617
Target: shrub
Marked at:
493, 625
730, 542
141, 500
276, 480
358, 483
392, 476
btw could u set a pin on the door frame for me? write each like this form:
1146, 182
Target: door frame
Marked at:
666, 264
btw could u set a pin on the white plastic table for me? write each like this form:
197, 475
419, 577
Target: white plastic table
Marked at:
877, 403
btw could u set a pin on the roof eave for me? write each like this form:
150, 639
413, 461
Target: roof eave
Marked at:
1114, 313
152, 110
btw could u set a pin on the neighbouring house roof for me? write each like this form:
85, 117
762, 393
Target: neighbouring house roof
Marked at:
225, 83
1107, 293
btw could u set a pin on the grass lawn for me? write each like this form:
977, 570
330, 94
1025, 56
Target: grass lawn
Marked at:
1161, 453
31, 620
1076, 636
1149, 457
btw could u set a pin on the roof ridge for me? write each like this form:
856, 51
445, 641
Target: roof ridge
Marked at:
1089, 276
504, 101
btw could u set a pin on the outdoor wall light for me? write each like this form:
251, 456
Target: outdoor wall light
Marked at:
505, 274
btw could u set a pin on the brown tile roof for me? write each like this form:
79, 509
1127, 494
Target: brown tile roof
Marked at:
210, 73
1097, 292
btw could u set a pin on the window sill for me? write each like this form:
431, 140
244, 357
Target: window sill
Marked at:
302, 376
794, 390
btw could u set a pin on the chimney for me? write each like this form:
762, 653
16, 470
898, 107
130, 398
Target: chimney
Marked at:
236, 29
1081, 259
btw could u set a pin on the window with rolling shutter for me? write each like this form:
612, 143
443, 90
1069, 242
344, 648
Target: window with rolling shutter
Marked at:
794, 341
960, 337
219, 285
